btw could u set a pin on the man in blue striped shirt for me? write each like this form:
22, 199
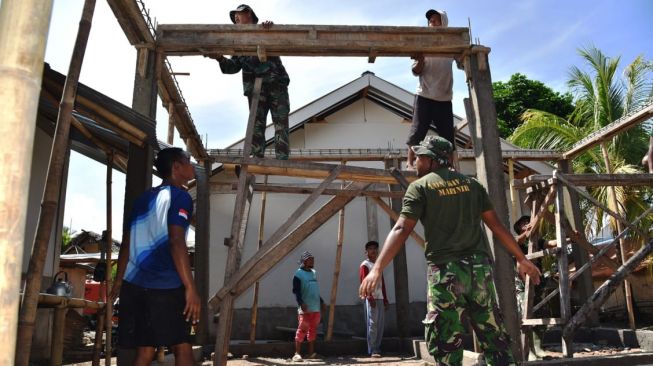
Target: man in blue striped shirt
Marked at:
158, 299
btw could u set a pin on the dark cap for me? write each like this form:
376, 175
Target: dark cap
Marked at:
430, 13
435, 147
243, 7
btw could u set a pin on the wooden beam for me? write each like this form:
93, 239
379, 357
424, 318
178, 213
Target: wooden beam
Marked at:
606, 133
591, 180
244, 278
336, 273
332, 191
291, 168
563, 265
311, 40
261, 232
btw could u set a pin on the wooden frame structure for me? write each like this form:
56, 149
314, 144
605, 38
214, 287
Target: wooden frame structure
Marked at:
154, 76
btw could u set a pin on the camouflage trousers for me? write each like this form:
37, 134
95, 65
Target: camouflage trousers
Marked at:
458, 292
274, 98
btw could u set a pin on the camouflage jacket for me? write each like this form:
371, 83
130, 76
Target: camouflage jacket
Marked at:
272, 71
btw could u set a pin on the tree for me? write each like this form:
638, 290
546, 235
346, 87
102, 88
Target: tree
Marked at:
601, 97
515, 96
66, 237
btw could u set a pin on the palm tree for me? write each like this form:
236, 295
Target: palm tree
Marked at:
601, 97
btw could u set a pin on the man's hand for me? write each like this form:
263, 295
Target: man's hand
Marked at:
115, 290
303, 306
369, 284
372, 302
323, 307
526, 267
385, 303
215, 56
267, 24
192, 309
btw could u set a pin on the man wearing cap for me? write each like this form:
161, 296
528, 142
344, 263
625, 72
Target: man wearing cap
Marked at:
434, 93
451, 207
309, 304
274, 90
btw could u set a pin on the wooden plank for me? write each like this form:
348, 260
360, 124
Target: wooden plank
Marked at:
290, 168
224, 331
529, 293
277, 235
606, 133
108, 309
592, 180
202, 249
395, 216
328, 191
336, 274
606, 289
244, 278
261, 231
310, 40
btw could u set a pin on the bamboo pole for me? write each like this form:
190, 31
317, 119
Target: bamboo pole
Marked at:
336, 272
612, 194
58, 328
261, 232
51, 192
23, 34
97, 347
109, 244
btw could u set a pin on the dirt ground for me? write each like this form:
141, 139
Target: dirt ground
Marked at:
389, 360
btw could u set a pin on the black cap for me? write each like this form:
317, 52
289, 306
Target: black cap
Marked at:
242, 7
430, 13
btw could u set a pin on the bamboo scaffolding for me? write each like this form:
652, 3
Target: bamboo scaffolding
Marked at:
51, 192
23, 34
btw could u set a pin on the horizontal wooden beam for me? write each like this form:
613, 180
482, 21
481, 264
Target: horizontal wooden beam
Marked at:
310, 40
380, 154
611, 130
589, 180
306, 169
542, 321
333, 190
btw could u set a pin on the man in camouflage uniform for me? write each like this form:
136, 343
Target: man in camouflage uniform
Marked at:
274, 90
451, 207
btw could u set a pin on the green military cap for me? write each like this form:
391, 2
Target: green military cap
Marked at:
436, 147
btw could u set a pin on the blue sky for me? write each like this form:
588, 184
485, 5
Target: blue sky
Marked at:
538, 38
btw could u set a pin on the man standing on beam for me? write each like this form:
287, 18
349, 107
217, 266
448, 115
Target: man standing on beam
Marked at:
452, 207
274, 90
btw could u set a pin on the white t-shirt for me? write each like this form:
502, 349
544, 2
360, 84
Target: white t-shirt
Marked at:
436, 79
378, 293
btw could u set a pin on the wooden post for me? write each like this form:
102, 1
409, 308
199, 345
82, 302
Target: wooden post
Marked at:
51, 193
336, 272
400, 268
58, 327
372, 220
563, 265
261, 234
99, 328
23, 34
529, 293
487, 150
108, 307
202, 245
612, 194
513, 191
171, 122
584, 286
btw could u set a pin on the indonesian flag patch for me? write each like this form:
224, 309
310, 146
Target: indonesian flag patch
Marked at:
183, 213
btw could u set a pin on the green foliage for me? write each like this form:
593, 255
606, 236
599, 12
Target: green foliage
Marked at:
66, 237
515, 96
601, 96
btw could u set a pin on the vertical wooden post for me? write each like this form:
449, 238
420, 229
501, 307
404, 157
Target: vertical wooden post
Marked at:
202, 245
400, 268
236, 240
372, 221
97, 347
527, 306
336, 271
58, 327
51, 193
23, 34
261, 235
171, 122
487, 150
513, 191
614, 205
109, 246
563, 265
584, 287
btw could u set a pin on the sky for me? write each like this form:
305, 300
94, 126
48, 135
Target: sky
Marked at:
538, 38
